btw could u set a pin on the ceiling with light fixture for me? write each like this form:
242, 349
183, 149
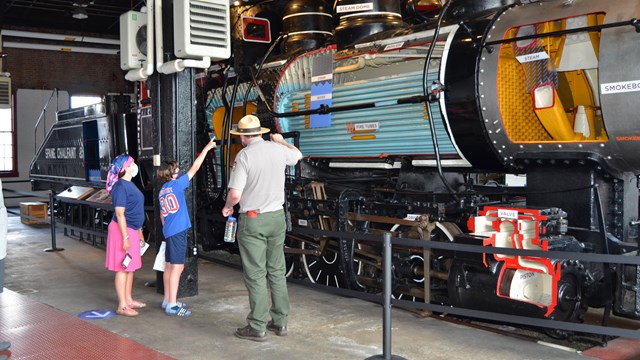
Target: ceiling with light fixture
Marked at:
79, 17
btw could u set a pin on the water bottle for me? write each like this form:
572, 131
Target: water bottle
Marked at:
230, 229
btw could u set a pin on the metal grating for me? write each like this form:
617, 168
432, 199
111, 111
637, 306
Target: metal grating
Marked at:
5, 92
38, 331
208, 24
201, 29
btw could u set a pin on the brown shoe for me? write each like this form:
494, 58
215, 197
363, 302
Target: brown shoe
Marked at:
278, 330
248, 333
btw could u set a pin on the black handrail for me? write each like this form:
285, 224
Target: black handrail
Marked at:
631, 22
42, 116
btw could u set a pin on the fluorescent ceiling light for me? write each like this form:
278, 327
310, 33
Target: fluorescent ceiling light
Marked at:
20, 45
83, 3
59, 37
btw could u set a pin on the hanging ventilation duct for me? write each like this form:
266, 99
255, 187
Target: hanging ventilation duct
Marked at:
201, 29
5, 92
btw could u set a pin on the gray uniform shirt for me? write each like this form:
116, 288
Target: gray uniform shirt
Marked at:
259, 172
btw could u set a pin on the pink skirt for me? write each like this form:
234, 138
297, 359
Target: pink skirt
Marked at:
115, 253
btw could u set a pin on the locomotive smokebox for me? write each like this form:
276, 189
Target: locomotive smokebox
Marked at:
555, 84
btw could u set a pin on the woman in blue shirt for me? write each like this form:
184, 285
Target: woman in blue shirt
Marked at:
124, 237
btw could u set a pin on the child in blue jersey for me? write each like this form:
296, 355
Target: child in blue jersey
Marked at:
175, 223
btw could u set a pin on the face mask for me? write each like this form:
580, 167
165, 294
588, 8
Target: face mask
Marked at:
134, 170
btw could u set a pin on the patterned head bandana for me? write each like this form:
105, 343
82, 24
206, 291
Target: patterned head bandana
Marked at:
120, 163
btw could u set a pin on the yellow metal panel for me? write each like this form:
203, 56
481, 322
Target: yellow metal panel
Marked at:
218, 117
516, 105
555, 121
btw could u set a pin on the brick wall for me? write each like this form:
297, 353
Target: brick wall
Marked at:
76, 73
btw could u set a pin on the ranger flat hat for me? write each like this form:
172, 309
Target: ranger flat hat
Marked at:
249, 125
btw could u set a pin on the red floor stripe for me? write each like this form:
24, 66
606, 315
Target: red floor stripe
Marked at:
617, 349
39, 331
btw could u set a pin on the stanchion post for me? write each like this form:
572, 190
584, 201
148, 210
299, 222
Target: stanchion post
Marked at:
386, 304
53, 226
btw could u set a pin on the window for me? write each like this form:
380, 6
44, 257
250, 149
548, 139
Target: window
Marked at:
79, 101
7, 142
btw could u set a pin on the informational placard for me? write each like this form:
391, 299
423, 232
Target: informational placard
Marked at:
532, 57
321, 89
620, 87
508, 214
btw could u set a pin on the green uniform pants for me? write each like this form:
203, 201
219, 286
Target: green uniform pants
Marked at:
261, 242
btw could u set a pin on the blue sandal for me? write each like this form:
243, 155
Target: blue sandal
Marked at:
181, 304
4, 345
178, 311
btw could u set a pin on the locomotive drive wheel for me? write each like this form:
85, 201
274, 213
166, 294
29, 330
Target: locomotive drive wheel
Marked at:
324, 269
412, 282
416, 281
290, 262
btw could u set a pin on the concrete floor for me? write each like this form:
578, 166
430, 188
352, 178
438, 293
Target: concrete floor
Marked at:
322, 326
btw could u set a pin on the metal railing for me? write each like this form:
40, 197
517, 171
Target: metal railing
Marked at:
43, 115
90, 231
386, 299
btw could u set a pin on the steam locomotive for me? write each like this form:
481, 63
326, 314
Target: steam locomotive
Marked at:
414, 117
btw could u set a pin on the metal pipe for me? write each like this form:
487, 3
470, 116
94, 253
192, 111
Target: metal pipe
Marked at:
425, 87
52, 222
631, 22
386, 318
386, 307
157, 13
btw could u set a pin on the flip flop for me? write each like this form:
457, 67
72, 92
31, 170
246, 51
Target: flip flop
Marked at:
137, 305
127, 311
